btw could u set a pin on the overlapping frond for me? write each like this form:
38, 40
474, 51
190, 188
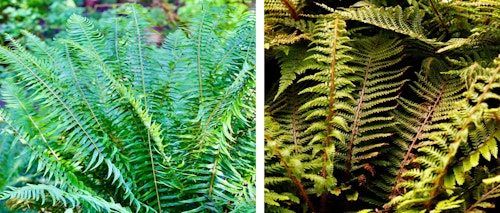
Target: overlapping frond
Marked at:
418, 121
286, 152
378, 81
448, 157
219, 116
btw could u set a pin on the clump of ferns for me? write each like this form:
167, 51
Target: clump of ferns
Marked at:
116, 124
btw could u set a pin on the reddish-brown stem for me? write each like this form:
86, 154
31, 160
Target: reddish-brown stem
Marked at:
438, 15
291, 9
300, 187
331, 112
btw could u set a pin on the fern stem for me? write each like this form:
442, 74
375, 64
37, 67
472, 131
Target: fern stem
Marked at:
331, 96
291, 9
117, 53
482, 198
198, 59
295, 180
141, 60
214, 172
438, 15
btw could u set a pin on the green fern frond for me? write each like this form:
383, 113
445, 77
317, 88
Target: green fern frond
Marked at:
329, 52
406, 22
371, 124
292, 63
47, 193
439, 94
285, 139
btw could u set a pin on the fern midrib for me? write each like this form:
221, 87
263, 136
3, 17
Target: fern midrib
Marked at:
229, 52
215, 110
291, 9
331, 96
214, 172
141, 61
436, 12
117, 53
419, 132
198, 59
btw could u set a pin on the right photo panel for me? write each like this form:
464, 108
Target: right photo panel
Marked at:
382, 105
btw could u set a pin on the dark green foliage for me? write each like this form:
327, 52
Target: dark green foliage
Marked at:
382, 109
113, 123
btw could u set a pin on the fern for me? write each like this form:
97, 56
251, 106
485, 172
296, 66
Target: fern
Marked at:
286, 141
372, 126
440, 155
112, 124
59, 198
439, 93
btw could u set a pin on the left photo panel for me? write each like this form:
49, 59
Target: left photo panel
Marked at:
127, 106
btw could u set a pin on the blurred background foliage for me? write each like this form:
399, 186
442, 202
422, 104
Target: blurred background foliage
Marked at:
47, 18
